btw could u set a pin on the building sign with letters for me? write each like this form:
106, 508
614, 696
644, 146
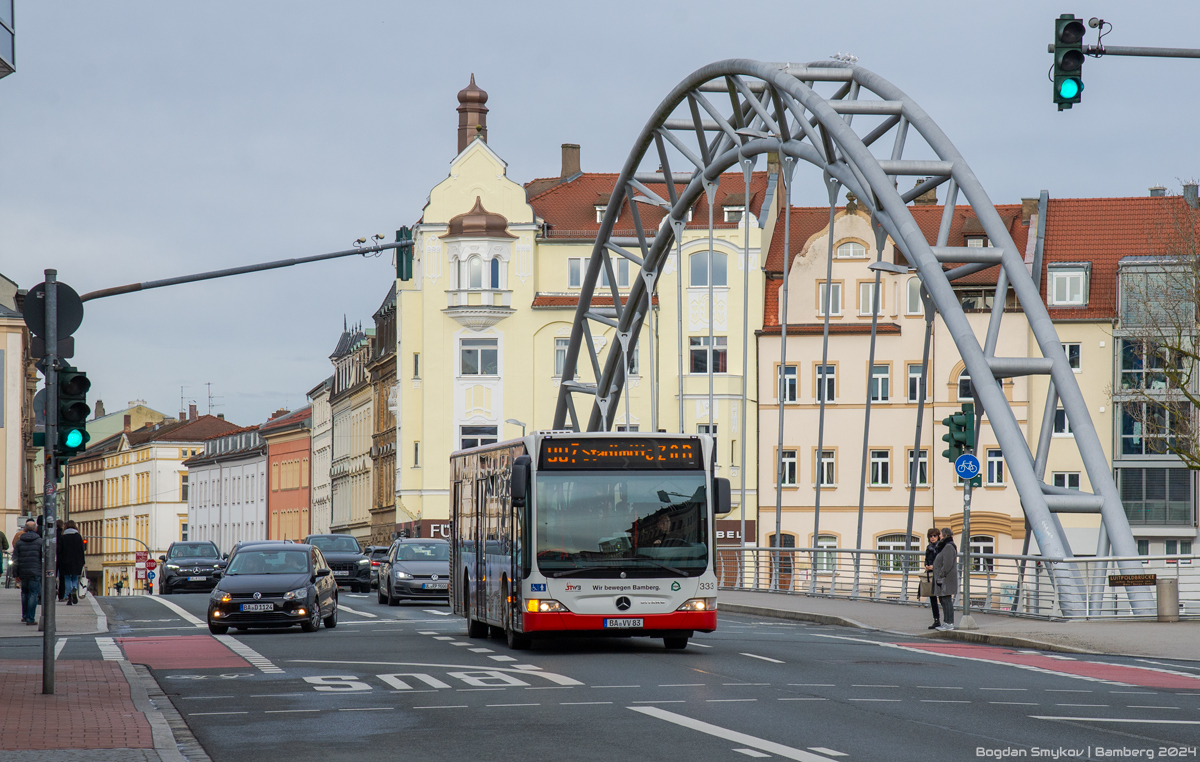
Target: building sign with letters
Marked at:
1132, 580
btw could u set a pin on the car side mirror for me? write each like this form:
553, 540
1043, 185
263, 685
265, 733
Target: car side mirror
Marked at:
163, 559
724, 502
216, 575
322, 573
226, 556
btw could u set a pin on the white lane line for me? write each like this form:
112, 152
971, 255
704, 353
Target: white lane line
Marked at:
367, 709
274, 695
349, 610
874, 686
752, 753
943, 701
439, 613
941, 687
660, 701
582, 703
764, 658
481, 651
206, 714
1088, 705
1164, 664
501, 658
1136, 706
872, 699
444, 637
205, 698
681, 685
513, 705
249, 654
770, 747
804, 698
700, 645
527, 666
745, 683
460, 644
429, 632
1115, 719
183, 613
724, 701
830, 752
1066, 690
449, 706
109, 649
812, 685
1137, 693
58, 647
1015, 703
616, 686
289, 711
1003, 689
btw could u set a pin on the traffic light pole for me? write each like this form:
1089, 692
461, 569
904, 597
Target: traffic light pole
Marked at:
49, 581
1117, 50
967, 622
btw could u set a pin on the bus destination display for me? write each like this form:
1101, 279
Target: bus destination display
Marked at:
620, 453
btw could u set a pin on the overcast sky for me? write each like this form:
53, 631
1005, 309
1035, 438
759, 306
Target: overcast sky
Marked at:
143, 140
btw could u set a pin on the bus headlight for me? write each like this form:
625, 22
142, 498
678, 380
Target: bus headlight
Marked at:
699, 604
535, 606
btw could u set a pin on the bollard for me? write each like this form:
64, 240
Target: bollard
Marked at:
1168, 600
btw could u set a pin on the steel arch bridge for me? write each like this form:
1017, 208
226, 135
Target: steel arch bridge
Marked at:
730, 112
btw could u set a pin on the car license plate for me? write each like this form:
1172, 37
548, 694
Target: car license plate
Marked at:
197, 579
435, 586
341, 574
258, 607
623, 623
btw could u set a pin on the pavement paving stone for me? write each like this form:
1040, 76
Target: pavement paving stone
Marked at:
84, 617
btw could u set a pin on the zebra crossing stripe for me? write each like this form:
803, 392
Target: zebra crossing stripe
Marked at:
249, 654
109, 649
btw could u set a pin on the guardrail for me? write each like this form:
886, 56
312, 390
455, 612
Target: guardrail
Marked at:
1014, 585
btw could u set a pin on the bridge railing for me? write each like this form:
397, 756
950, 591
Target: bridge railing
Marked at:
1012, 585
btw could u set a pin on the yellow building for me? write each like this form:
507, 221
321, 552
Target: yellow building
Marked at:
20, 488
484, 323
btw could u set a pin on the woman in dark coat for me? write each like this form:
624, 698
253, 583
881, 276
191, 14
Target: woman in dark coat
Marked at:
70, 561
945, 577
933, 537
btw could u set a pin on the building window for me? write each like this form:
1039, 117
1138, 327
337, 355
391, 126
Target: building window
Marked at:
183, 531
706, 428
416, 454
965, 390
1066, 479
975, 298
633, 360
480, 357
895, 562
995, 467
978, 242
698, 263
826, 469
1143, 547
183, 487
600, 209
1143, 364
880, 390
630, 427
1149, 429
922, 468
981, 545
912, 302
274, 477
621, 270
1156, 495
826, 562
416, 364
575, 272
832, 300
470, 273
1161, 295
915, 379
1072, 352
881, 468
734, 213
476, 436
851, 250
700, 354
788, 467
495, 272
1062, 425
788, 385
1068, 287
560, 355
826, 383
866, 298
786, 560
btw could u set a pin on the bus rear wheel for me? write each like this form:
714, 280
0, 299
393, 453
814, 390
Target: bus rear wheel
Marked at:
675, 644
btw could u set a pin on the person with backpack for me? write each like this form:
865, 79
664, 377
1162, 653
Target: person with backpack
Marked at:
27, 555
70, 561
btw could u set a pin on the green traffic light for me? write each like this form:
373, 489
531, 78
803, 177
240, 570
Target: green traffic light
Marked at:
74, 438
1069, 88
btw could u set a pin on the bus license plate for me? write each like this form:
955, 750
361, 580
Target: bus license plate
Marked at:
435, 586
620, 623
258, 607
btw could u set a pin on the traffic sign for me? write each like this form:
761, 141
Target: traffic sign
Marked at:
966, 466
140, 556
70, 310
152, 564
150, 575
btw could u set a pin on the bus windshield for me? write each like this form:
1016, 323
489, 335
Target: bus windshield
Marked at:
645, 524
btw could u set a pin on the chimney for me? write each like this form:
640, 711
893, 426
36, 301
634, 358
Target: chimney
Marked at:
99, 409
570, 160
191, 412
1157, 190
279, 413
928, 198
1028, 209
128, 423
472, 115
221, 416
1190, 195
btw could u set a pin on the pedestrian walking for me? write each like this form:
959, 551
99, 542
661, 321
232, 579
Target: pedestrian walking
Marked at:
120, 583
61, 592
27, 555
945, 577
932, 537
70, 561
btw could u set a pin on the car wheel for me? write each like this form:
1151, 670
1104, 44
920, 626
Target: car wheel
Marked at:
331, 620
379, 594
392, 600
313, 622
218, 629
675, 644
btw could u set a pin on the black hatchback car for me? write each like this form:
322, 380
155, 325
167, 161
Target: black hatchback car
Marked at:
415, 569
189, 566
274, 585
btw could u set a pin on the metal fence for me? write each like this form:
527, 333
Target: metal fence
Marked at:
1030, 586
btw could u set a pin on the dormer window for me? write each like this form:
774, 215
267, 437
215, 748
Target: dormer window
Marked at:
978, 242
600, 210
734, 213
1068, 285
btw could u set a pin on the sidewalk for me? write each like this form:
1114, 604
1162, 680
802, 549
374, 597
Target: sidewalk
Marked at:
1173, 640
85, 618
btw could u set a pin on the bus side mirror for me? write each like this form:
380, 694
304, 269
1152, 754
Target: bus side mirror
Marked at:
520, 479
724, 502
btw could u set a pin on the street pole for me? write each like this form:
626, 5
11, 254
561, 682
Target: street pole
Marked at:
968, 621
49, 512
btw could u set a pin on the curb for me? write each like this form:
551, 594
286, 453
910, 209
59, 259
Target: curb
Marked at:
164, 740
186, 745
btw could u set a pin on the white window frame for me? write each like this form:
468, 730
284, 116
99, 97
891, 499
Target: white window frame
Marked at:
827, 468
706, 262
707, 428
720, 345
866, 298
1062, 424
981, 544
922, 468
850, 250
789, 383
621, 269
478, 346
978, 242
825, 562
913, 393
912, 297
881, 468
600, 210
1066, 479
896, 542
1077, 348
790, 469
733, 213
575, 270
560, 356
1071, 282
827, 385
995, 467
835, 303
880, 385
963, 376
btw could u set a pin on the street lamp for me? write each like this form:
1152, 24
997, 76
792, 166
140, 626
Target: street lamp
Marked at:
515, 422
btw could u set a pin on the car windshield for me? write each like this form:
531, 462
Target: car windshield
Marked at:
603, 524
203, 550
268, 562
338, 544
423, 551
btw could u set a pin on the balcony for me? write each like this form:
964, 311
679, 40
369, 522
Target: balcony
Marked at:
478, 308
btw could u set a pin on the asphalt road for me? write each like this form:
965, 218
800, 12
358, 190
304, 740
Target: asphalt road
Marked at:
407, 680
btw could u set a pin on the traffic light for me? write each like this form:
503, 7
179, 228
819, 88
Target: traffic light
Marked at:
73, 410
404, 255
1068, 60
962, 432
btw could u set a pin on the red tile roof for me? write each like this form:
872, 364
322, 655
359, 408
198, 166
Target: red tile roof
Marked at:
288, 419
571, 301
569, 208
771, 300
204, 427
835, 329
1102, 231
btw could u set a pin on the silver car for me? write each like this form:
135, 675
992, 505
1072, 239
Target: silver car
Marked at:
415, 568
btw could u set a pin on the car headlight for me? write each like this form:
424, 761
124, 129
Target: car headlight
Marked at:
403, 575
300, 593
535, 606
363, 561
172, 567
699, 604
220, 596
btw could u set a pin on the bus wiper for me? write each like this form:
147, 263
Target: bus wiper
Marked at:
578, 569
661, 565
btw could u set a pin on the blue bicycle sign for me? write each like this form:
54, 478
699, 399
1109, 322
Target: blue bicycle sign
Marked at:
966, 466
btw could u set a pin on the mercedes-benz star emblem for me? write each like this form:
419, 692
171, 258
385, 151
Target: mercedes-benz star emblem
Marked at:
623, 603
257, 596
434, 577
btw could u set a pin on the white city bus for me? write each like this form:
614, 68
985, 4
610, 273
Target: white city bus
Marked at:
563, 533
